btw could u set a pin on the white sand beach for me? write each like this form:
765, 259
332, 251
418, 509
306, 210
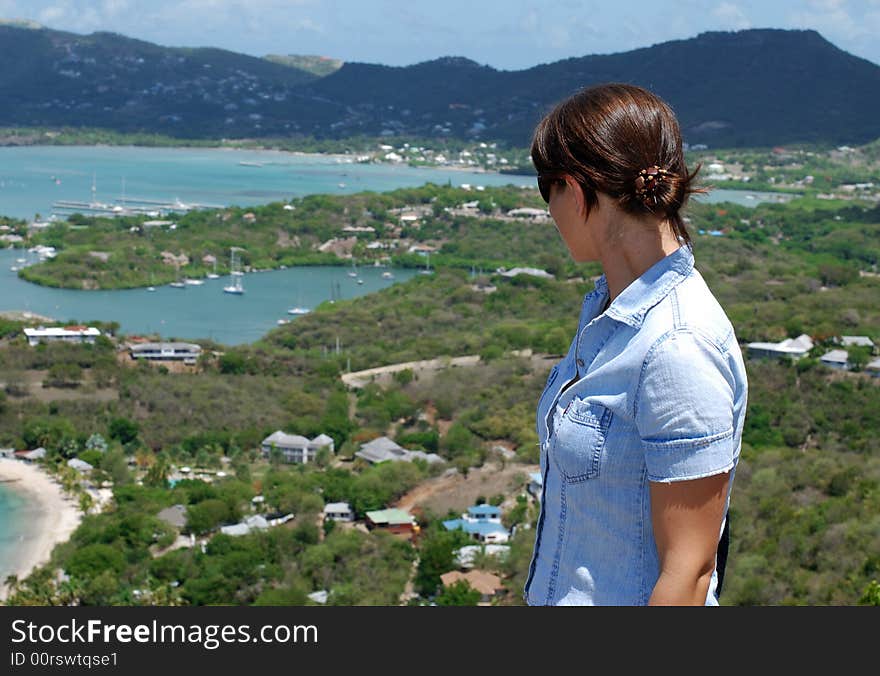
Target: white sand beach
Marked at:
53, 520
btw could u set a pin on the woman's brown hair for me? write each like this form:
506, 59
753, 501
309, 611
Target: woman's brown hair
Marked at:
612, 137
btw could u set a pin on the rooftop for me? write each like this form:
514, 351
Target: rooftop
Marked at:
390, 517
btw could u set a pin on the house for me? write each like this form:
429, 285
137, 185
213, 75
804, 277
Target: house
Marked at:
873, 368
68, 334
837, 359
796, 348
487, 513
529, 212
80, 466
174, 516
465, 556
251, 523
396, 521
383, 449
296, 448
488, 584
483, 523
319, 596
188, 353
422, 249
861, 341
534, 272
31, 456
338, 511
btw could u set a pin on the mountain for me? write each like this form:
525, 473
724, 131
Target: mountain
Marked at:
744, 88
54, 78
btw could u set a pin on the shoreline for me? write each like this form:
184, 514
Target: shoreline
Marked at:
56, 518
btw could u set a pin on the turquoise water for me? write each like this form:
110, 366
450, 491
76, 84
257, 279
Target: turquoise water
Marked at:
15, 513
196, 311
32, 178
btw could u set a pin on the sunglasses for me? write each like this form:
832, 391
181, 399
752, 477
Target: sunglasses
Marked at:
545, 180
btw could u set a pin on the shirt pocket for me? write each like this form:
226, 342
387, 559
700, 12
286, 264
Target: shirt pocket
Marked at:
579, 440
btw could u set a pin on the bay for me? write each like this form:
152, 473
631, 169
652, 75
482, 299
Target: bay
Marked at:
32, 178
196, 311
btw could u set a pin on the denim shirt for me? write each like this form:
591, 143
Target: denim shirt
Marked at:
652, 389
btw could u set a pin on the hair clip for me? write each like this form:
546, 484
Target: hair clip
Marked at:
647, 181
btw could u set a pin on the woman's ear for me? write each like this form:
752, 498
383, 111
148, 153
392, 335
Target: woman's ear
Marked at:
580, 200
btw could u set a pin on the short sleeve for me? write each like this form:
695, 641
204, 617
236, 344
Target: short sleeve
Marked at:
684, 409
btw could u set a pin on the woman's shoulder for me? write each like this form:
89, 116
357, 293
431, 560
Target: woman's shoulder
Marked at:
690, 308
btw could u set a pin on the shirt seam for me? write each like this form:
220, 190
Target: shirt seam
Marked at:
685, 330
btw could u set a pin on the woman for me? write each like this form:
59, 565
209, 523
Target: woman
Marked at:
640, 424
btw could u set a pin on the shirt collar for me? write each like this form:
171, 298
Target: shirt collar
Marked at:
633, 303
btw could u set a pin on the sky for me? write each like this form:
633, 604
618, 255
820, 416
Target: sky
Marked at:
505, 34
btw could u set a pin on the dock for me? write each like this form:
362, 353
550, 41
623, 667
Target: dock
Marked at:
128, 207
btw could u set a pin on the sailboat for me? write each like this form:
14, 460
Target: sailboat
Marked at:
427, 270
353, 271
213, 275
236, 286
178, 284
300, 309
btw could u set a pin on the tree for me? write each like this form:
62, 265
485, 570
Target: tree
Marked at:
858, 356
114, 463
97, 443
871, 595
157, 474
459, 593
63, 374
92, 560
437, 556
123, 430
207, 515
48, 432
233, 363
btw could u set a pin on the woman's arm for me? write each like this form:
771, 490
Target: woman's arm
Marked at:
687, 517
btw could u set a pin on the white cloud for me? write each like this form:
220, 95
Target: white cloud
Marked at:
831, 18
732, 16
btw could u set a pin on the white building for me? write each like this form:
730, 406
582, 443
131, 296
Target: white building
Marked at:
296, 448
862, 341
534, 272
68, 334
384, 449
188, 353
837, 359
796, 348
529, 212
80, 466
338, 511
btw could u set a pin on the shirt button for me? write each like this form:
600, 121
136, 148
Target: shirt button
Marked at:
580, 362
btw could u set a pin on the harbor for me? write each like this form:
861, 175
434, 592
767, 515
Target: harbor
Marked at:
127, 207
195, 311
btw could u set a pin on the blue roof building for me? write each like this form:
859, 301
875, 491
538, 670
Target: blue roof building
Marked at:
484, 512
482, 522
